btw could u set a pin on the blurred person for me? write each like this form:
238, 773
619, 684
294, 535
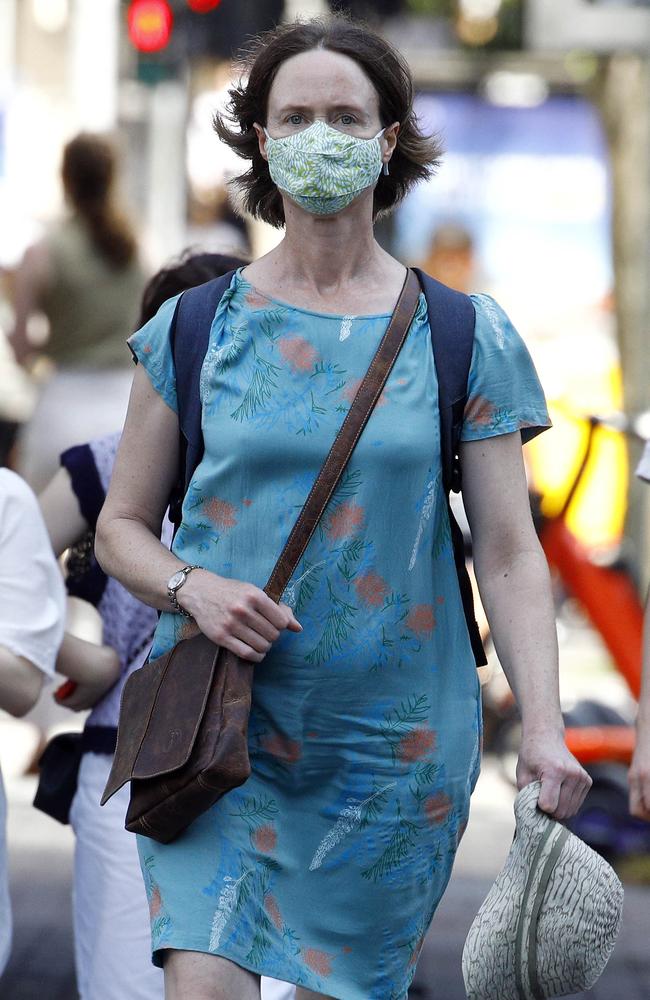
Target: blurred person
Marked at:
32, 609
86, 277
639, 775
213, 223
451, 258
111, 916
325, 868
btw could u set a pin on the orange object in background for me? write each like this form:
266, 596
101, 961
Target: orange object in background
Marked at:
607, 594
594, 744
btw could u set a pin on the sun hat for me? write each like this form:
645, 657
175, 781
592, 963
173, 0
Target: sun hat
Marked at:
549, 923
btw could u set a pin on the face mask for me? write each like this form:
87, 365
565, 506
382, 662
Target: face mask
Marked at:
322, 169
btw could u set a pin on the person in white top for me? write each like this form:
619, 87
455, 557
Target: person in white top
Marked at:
639, 776
32, 608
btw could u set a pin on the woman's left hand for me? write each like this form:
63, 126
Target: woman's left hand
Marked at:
544, 757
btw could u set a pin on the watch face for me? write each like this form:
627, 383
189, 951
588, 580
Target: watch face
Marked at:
176, 580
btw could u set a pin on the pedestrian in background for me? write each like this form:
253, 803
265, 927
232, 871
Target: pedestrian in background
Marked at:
639, 775
326, 866
110, 912
32, 610
86, 278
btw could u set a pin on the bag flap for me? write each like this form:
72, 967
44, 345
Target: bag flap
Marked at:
179, 706
148, 745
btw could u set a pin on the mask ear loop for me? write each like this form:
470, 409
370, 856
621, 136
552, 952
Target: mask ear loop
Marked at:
384, 169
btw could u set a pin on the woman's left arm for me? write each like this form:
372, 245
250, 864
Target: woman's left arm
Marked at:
514, 583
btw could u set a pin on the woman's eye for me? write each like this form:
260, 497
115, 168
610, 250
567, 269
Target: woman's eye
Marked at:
295, 119
347, 120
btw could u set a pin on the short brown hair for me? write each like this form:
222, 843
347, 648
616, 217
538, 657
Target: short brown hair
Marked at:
416, 155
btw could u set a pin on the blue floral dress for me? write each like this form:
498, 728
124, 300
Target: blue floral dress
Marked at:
325, 868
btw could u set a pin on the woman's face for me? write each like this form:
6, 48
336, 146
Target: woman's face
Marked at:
324, 85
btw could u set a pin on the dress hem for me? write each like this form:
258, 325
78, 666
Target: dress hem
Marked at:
157, 961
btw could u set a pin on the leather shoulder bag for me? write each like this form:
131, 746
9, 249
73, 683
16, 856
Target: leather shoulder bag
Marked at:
183, 729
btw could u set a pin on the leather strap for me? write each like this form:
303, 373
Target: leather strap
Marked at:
357, 416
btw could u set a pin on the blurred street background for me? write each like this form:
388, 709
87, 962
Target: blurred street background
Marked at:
542, 200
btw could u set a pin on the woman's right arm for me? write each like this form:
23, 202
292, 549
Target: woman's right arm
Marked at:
232, 613
127, 542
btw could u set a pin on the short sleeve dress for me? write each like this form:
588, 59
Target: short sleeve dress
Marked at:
325, 868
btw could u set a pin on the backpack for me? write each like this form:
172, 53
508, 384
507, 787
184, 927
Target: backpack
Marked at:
451, 319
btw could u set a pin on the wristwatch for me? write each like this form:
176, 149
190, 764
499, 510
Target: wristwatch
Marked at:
174, 584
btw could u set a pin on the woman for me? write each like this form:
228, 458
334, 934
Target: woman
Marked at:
326, 867
86, 278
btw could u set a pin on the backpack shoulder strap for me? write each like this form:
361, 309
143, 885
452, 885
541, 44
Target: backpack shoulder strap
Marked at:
452, 319
190, 334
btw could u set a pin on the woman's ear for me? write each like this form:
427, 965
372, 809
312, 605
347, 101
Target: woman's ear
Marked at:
390, 138
261, 139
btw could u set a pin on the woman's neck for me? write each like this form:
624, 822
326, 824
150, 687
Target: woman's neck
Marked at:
325, 255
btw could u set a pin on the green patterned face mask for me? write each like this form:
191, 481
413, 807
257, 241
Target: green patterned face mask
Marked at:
322, 169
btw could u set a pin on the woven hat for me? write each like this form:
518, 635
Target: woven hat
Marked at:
549, 923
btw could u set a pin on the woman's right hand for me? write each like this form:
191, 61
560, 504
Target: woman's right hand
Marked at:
236, 615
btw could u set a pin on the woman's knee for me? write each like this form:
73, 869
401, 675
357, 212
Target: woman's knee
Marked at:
207, 977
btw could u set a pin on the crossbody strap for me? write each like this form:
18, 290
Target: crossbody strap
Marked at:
357, 416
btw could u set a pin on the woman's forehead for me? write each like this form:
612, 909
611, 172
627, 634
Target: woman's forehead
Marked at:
322, 76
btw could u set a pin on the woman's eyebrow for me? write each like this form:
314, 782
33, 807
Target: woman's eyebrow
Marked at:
285, 109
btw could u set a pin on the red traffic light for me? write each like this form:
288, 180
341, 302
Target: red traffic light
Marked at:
202, 6
150, 24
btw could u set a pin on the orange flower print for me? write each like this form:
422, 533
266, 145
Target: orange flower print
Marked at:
147, 349
273, 911
187, 630
415, 954
421, 619
265, 838
246, 502
352, 387
480, 411
318, 961
282, 747
371, 588
255, 299
439, 600
344, 520
155, 903
298, 353
220, 513
416, 745
346, 949
436, 808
